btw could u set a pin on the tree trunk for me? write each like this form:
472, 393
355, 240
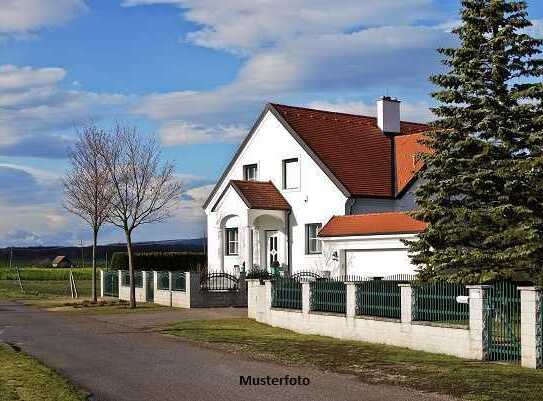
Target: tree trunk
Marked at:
131, 269
94, 240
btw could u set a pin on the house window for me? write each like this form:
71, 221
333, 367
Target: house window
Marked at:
313, 243
232, 244
291, 174
249, 172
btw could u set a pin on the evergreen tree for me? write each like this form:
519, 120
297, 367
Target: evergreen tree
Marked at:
482, 189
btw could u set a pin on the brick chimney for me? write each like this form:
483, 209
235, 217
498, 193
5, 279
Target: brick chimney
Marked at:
388, 115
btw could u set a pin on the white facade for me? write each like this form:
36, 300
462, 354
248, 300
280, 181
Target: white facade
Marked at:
315, 201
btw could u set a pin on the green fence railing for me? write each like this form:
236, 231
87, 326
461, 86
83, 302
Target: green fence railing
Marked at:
163, 280
111, 283
328, 296
179, 281
138, 278
286, 293
437, 302
379, 298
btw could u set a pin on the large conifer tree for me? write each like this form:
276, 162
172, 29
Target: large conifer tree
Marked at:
482, 191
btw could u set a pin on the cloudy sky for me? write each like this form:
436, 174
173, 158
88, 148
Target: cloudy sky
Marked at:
195, 73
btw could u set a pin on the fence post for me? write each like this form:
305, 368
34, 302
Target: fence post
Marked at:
144, 283
478, 328
350, 299
267, 296
242, 292
120, 281
406, 305
530, 327
102, 283
306, 297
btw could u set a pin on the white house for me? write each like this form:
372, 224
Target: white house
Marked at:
318, 190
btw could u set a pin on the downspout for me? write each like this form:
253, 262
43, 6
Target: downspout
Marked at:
289, 261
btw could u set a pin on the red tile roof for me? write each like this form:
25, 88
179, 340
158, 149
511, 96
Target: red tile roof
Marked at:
260, 195
371, 224
355, 149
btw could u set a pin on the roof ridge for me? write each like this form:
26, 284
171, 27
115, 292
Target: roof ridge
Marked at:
373, 214
342, 113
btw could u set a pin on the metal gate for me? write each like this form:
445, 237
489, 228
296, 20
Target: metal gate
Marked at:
150, 290
503, 322
111, 284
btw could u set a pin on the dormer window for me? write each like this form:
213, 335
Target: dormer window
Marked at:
250, 172
291, 174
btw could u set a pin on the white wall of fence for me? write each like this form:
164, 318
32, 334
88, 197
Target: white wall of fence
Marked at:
461, 341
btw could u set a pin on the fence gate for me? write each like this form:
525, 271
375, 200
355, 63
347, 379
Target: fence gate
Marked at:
111, 284
503, 322
150, 290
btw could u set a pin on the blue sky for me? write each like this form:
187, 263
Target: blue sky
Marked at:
195, 73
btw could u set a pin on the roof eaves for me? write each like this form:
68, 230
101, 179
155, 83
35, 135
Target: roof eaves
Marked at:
309, 151
236, 155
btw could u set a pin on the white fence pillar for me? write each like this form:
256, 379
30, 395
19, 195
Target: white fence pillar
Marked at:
530, 326
102, 283
350, 302
144, 279
477, 319
268, 295
406, 299
306, 298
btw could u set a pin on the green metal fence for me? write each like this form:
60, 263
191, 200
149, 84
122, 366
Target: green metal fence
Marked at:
178, 281
111, 283
502, 316
436, 302
379, 298
286, 293
328, 295
138, 278
163, 280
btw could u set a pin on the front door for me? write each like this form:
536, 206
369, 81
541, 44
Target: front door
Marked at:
272, 248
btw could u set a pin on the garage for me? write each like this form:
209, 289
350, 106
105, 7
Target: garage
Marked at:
377, 262
371, 245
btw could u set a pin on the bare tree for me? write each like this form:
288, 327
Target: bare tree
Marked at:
144, 190
86, 188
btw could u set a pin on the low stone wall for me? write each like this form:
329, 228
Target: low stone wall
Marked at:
464, 342
124, 291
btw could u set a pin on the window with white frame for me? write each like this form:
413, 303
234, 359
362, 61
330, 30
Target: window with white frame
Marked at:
291, 174
250, 172
313, 244
232, 243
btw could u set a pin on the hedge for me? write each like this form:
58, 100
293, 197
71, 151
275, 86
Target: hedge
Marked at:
171, 261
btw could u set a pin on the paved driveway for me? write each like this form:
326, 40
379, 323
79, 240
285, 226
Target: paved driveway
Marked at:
116, 360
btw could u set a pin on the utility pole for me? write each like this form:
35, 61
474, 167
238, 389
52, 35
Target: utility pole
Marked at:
82, 258
10, 257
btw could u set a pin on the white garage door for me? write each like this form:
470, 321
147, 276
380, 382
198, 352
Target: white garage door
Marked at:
378, 262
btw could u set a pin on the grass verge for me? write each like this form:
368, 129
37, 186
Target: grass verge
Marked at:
372, 363
24, 378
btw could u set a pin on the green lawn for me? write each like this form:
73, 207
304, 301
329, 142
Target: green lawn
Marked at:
45, 273
24, 378
39, 289
372, 363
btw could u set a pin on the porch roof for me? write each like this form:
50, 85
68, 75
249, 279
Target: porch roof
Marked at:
260, 195
371, 224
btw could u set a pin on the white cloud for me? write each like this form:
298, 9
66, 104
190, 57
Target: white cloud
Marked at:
183, 133
248, 25
419, 112
34, 105
27, 16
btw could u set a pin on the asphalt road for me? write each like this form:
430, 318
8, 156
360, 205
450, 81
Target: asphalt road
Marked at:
116, 359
